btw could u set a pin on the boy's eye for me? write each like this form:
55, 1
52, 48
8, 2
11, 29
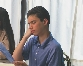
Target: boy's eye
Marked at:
33, 22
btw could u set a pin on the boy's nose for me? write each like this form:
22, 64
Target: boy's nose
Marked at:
30, 26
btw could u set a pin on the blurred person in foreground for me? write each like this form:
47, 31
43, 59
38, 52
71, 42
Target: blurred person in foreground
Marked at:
6, 33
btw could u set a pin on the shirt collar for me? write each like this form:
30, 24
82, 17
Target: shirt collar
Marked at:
45, 43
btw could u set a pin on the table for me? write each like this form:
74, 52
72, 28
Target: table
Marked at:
5, 63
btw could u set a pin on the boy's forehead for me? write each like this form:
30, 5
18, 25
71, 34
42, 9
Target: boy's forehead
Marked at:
32, 18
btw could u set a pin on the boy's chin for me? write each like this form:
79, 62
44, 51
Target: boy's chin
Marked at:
35, 34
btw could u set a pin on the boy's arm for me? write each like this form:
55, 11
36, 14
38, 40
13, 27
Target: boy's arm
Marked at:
56, 57
17, 54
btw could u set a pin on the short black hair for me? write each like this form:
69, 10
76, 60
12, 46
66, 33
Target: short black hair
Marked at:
40, 12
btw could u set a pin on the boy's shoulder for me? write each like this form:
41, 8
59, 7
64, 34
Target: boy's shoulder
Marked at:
54, 44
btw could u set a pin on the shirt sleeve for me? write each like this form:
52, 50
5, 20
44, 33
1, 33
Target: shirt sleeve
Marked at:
56, 57
26, 49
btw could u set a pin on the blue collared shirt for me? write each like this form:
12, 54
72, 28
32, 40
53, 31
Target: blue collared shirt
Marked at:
49, 53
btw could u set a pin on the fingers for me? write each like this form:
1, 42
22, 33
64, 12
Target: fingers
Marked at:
20, 63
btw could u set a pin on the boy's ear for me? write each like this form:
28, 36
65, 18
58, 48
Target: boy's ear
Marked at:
45, 21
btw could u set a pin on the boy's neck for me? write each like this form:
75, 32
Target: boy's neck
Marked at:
44, 36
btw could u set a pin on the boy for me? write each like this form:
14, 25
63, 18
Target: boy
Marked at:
42, 49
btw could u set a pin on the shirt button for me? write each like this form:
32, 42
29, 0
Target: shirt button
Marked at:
38, 47
35, 59
36, 52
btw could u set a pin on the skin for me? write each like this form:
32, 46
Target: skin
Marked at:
37, 28
20, 63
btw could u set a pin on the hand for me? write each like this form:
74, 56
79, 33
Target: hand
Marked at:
28, 33
20, 63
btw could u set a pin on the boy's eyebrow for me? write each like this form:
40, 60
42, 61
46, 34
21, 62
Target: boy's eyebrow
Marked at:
31, 21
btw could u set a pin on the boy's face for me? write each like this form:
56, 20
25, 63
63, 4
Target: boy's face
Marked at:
36, 26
